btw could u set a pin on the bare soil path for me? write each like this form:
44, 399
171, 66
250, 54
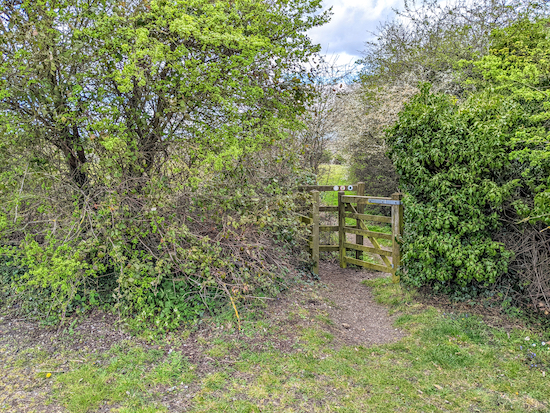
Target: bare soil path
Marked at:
338, 304
360, 319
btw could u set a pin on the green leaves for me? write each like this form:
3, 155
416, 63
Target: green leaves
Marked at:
116, 119
517, 66
453, 164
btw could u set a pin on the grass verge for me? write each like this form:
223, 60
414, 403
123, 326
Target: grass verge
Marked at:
295, 362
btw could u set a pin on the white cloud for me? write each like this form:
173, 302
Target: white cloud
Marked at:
350, 27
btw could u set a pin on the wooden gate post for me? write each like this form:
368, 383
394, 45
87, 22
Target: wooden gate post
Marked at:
397, 232
360, 210
341, 229
315, 232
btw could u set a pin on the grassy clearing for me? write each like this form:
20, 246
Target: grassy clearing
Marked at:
448, 362
333, 175
127, 374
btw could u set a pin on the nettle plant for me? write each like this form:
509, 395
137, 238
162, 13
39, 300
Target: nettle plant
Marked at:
453, 163
139, 143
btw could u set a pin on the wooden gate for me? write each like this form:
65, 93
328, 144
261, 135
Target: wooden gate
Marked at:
352, 207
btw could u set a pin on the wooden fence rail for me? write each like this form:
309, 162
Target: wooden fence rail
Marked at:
355, 203
353, 207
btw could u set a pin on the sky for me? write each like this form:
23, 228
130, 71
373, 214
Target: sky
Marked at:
343, 38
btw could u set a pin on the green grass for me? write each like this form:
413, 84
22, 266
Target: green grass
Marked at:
333, 175
449, 362
127, 375
452, 362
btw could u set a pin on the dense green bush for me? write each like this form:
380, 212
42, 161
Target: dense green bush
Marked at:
476, 173
453, 163
517, 67
145, 145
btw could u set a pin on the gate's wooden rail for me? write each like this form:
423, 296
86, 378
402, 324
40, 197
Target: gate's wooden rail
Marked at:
346, 202
353, 206
314, 218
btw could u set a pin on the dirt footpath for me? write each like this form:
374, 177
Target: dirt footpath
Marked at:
360, 319
33, 355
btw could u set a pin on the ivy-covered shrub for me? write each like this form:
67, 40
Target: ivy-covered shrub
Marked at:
453, 163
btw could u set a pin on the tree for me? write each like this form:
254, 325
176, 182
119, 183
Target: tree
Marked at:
361, 132
324, 111
517, 67
427, 39
90, 77
118, 117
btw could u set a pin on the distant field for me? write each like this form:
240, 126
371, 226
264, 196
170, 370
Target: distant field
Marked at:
328, 174
333, 175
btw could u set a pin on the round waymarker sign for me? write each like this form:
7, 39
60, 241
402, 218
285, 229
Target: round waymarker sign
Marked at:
350, 188
342, 188
335, 187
